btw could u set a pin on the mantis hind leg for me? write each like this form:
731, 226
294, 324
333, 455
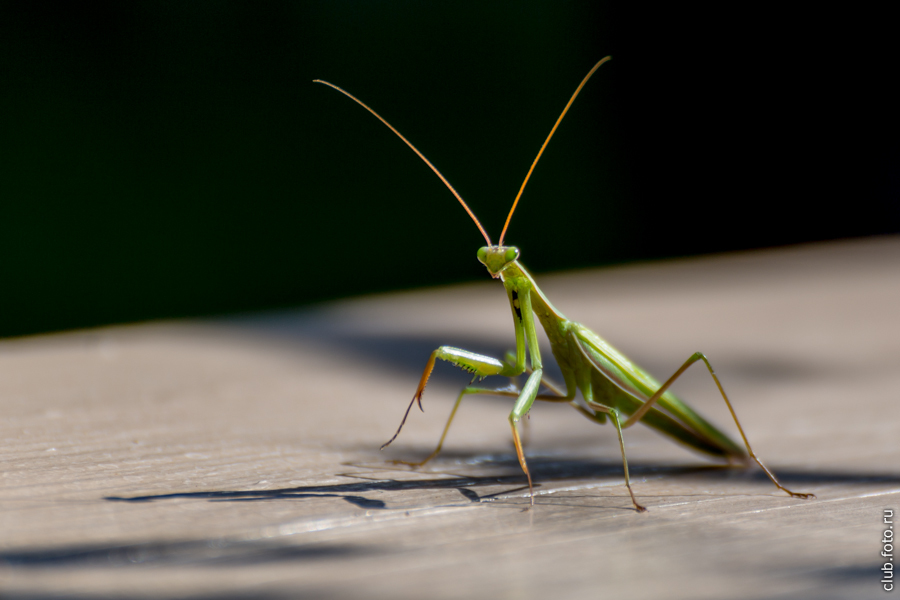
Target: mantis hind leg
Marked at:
653, 399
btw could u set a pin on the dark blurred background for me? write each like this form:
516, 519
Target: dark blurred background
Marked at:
167, 159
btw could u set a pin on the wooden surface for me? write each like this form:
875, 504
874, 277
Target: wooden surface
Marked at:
239, 458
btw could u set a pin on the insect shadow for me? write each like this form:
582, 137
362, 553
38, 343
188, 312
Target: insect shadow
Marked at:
214, 552
545, 470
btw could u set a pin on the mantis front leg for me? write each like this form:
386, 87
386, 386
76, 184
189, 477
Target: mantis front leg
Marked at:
478, 364
482, 366
521, 408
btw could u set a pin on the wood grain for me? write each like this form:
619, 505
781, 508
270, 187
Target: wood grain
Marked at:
238, 458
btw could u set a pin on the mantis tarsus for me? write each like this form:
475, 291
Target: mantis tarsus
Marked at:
611, 385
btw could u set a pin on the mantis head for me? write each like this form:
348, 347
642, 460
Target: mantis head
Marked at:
497, 258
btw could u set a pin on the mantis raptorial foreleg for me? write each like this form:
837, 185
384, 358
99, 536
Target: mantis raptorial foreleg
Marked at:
478, 364
482, 365
465, 391
521, 408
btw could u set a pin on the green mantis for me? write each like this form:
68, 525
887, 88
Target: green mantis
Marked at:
612, 386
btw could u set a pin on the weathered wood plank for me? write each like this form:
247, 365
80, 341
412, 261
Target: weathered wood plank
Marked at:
239, 458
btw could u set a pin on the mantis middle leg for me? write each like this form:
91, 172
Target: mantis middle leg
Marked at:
614, 417
509, 391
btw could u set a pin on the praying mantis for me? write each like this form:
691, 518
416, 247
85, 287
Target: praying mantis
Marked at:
612, 386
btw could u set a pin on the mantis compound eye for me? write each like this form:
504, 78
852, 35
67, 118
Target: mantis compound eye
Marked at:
482, 254
512, 253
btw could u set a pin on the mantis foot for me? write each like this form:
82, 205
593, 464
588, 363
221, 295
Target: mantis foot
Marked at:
802, 496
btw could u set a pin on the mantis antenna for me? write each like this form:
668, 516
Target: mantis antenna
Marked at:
552, 131
422, 156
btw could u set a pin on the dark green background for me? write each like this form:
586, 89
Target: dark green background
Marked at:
165, 159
